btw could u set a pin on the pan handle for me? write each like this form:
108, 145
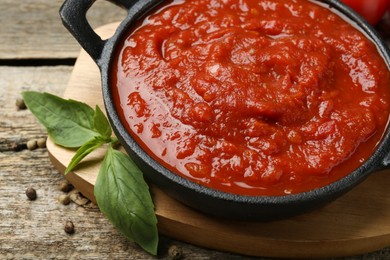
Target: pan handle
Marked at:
73, 15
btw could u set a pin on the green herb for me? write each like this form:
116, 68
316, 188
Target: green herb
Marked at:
68, 122
84, 150
101, 124
120, 190
116, 191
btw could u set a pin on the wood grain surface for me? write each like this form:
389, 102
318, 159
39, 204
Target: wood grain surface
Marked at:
31, 34
32, 29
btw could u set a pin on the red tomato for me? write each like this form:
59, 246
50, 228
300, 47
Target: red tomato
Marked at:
388, 7
371, 10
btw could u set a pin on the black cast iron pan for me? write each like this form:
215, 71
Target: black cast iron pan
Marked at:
216, 203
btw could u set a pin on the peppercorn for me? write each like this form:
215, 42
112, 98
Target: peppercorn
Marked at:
65, 186
32, 145
20, 104
31, 193
41, 142
64, 199
69, 227
175, 252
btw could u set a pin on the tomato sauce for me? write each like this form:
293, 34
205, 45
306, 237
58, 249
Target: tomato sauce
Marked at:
253, 97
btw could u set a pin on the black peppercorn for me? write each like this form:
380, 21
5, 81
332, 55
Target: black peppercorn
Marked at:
20, 104
31, 194
69, 227
65, 186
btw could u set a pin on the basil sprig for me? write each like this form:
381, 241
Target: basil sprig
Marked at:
120, 190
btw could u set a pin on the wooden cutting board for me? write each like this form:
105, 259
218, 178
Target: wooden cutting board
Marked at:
356, 223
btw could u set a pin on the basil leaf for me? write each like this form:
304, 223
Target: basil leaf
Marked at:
68, 122
123, 196
101, 123
84, 150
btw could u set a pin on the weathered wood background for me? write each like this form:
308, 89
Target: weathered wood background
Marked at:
37, 53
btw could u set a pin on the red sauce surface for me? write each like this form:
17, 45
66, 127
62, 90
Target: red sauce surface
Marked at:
255, 97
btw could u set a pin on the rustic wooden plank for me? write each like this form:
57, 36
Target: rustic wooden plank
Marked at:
35, 229
33, 29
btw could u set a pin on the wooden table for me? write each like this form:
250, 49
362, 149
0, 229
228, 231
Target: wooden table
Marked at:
37, 53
